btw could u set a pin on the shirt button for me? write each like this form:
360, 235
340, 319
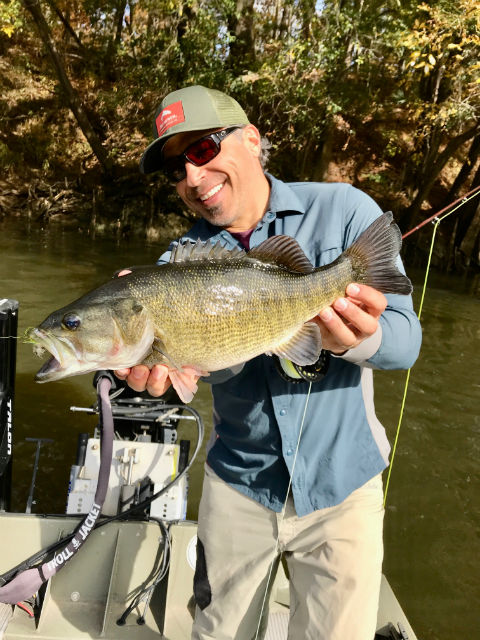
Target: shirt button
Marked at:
270, 215
283, 412
289, 452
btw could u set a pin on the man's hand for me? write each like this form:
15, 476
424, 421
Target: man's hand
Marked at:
351, 320
141, 378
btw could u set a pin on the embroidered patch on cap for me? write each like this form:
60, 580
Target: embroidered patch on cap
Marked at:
168, 117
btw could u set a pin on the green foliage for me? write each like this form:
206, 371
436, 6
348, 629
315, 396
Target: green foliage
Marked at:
369, 83
11, 16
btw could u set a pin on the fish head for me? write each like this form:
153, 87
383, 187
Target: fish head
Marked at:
90, 334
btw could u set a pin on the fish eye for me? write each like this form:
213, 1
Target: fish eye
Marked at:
71, 321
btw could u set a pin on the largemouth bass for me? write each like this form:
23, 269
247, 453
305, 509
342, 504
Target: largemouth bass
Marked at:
211, 308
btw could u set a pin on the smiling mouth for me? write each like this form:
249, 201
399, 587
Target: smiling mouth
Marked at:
211, 193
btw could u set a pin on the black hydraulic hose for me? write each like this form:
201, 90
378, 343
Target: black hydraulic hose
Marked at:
27, 582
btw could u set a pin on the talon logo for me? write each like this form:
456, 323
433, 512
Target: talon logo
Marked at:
169, 117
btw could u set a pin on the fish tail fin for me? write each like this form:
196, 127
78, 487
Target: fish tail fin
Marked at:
373, 257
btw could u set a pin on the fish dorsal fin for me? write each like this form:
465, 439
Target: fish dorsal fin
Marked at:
304, 347
190, 251
282, 251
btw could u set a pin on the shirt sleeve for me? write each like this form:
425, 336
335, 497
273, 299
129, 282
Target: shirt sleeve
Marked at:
217, 377
165, 257
396, 343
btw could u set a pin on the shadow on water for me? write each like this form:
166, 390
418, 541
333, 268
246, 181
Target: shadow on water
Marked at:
433, 514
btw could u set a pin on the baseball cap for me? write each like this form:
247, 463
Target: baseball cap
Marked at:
194, 108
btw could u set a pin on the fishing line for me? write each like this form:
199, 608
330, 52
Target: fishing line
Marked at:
436, 220
282, 514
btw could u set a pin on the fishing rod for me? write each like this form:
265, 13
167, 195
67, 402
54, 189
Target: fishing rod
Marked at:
463, 200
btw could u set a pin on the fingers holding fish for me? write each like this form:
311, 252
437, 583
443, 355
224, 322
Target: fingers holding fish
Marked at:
367, 298
337, 335
141, 378
350, 321
158, 381
136, 377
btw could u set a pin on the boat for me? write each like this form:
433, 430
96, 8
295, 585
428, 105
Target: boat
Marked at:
134, 576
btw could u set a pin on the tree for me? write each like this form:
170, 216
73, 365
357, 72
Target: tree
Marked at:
441, 81
74, 102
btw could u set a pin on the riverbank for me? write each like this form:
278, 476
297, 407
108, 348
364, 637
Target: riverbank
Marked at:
135, 206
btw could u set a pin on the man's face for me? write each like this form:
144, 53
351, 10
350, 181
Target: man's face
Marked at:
228, 191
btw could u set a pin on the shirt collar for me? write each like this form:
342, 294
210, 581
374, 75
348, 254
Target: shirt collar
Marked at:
282, 198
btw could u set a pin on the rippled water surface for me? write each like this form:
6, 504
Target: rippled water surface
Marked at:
432, 521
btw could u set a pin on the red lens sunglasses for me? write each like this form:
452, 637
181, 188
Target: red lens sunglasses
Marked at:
198, 153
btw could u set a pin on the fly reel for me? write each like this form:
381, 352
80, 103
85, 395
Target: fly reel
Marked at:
296, 373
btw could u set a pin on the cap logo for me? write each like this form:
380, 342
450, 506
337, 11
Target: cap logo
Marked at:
169, 117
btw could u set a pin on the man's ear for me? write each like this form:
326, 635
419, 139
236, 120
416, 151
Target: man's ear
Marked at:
252, 139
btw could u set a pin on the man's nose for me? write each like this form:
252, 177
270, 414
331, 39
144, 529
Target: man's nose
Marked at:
194, 175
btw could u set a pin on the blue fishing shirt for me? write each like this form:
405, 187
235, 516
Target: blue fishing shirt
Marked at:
257, 414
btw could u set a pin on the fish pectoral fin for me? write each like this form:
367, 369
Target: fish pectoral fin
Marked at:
159, 355
185, 381
304, 347
282, 251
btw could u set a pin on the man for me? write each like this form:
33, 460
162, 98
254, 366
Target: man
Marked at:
315, 453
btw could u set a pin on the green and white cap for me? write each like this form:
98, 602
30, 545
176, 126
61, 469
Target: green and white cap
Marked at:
193, 108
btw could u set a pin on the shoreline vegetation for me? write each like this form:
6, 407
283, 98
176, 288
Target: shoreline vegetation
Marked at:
385, 96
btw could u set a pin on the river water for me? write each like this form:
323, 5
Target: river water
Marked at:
432, 523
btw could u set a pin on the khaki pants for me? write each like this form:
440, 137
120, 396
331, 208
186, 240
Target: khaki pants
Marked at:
334, 559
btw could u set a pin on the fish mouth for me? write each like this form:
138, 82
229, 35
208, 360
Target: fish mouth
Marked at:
62, 354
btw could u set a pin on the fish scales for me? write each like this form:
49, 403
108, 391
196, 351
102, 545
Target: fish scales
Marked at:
215, 314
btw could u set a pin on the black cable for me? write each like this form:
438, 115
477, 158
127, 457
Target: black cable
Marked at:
147, 592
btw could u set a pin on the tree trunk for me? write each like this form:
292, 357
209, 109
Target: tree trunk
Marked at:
470, 241
324, 154
435, 166
68, 27
74, 102
119, 13
467, 225
188, 15
467, 167
241, 29
307, 11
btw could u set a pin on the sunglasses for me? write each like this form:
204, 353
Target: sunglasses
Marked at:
198, 153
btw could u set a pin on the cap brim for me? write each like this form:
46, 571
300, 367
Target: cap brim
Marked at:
152, 158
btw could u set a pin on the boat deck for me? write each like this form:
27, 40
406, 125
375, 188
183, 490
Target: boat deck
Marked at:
86, 598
